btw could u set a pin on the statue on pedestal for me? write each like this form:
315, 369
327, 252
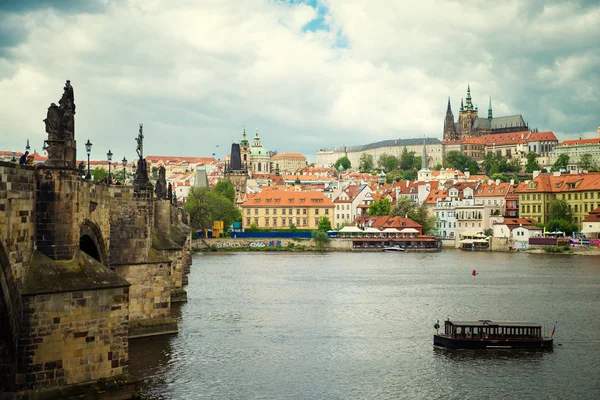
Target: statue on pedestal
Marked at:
170, 192
161, 184
60, 126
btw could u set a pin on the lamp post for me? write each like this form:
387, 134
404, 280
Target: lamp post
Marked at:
109, 156
88, 150
124, 161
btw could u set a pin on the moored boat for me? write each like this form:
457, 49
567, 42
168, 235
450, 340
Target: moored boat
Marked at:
391, 249
488, 334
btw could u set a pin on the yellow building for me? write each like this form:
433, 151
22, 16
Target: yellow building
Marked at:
288, 163
580, 191
273, 208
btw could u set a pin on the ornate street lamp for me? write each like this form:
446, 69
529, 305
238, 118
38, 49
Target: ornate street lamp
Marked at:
124, 161
88, 150
14, 159
109, 156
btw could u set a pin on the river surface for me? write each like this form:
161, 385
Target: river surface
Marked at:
360, 326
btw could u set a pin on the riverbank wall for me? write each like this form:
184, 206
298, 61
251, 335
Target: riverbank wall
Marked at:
270, 244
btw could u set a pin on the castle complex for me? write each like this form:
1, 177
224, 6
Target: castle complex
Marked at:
471, 125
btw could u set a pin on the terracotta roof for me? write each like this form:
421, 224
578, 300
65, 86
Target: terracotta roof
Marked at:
388, 222
485, 190
434, 195
539, 136
580, 142
202, 160
284, 155
593, 216
477, 177
284, 198
501, 139
563, 183
474, 140
448, 171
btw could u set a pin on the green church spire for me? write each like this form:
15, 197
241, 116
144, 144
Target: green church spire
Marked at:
490, 115
469, 105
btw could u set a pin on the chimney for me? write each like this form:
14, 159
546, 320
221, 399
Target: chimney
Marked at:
489, 182
556, 173
512, 182
497, 182
467, 174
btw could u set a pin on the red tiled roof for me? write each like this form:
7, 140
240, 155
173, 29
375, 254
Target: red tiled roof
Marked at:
539, 136
283, 198
579, 142
563, 183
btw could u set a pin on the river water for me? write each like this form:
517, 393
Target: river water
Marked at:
360, 325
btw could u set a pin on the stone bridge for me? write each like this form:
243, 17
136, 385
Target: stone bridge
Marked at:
84, 267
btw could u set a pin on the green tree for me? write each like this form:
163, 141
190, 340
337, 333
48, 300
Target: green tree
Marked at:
473, 167
514, 165
388, 162
344, 162
402, 208
204, 206
224, 187
293, 227
366, 163
560, 225
324, 224
587, 163
438, 166
420, 215
488, 232
561, 163
532, 164
99, 173
456, 160
321, 239
559, 210
407, 160
380, 207
417, 160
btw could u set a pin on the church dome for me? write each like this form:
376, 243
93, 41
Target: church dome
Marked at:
259, 151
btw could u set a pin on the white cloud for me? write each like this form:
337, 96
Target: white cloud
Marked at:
196, 73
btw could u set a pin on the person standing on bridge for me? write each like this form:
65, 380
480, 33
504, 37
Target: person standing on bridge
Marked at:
23, 159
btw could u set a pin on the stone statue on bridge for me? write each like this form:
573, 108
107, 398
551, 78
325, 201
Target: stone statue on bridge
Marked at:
161, 184
170, 192
60, 126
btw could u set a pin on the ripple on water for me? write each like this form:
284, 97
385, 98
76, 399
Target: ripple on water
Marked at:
341, 326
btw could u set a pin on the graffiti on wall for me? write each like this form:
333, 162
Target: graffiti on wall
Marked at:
254, 243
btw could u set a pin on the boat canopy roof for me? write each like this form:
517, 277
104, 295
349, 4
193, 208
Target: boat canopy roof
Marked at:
487, 322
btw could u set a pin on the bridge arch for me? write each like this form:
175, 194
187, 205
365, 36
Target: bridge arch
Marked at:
92, 242
11, 312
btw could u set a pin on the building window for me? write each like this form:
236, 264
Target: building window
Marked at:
256, 211
274, 211
327, 211
267, 221
266, 211
316, 211
274, 221
297, 211
283, 211
304, 211
256, 221
304, 221
247, 211
248, 221
316, 222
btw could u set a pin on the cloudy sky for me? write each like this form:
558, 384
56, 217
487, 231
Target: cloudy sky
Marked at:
308, 74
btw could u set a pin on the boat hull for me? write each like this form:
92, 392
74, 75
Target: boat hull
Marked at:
477, 343
393, 250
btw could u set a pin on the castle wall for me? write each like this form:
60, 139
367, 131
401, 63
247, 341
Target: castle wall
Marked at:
73, 337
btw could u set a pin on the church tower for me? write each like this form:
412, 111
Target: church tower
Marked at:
449, 129
245, 150
467, 116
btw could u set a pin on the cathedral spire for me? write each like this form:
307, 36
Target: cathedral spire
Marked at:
490, 115
424, 156
462, 108
469, 104
449, 109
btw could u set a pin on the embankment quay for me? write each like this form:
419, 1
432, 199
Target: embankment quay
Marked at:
84, 268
